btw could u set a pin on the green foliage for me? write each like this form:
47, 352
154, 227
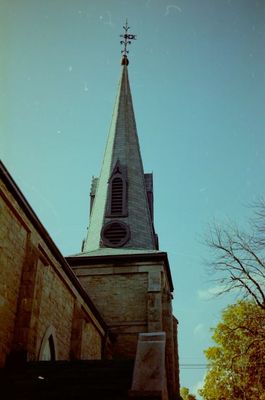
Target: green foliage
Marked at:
186, 395
237, 362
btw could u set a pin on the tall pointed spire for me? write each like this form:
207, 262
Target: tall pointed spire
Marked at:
121, 209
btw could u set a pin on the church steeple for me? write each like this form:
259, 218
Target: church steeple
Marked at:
120, 265
122, 197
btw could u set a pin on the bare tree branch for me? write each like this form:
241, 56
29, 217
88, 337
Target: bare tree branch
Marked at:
238, 257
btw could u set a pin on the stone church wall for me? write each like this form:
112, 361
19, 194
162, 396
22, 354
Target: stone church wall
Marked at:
56, 306
129, 296
91, 343
120, 295
38, 291
12, 249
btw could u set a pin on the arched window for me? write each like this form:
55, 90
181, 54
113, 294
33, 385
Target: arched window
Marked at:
48, 352
48, 346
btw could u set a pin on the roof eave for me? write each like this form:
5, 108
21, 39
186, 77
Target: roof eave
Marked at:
24, 204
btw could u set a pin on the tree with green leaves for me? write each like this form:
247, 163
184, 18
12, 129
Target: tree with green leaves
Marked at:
237, 361
186, 395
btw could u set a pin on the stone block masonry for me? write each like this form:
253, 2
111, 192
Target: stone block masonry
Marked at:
38, 291
128, 295
133, 293
10, 273
121, 300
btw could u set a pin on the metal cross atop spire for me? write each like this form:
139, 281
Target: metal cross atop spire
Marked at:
126, 40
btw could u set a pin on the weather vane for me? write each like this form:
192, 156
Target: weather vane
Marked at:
126, 40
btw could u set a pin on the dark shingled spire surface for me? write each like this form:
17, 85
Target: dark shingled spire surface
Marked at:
122, 149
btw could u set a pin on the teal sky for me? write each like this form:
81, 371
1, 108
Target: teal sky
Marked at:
198, 84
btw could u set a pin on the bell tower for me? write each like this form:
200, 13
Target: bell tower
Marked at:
121, 267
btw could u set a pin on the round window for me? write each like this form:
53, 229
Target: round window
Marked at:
115, 234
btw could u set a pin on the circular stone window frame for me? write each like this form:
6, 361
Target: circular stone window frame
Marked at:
123, 241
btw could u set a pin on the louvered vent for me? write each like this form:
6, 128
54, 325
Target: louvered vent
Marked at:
115, 234
116, 196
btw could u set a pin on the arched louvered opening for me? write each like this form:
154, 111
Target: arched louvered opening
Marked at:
116, 196
115, 234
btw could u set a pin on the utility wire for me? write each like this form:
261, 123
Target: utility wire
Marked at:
206, 366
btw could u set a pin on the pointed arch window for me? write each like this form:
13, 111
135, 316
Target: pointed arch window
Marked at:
117, 204
48, 353
48, 346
